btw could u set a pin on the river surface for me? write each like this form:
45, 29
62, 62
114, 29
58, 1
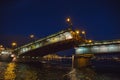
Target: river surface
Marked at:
20, 71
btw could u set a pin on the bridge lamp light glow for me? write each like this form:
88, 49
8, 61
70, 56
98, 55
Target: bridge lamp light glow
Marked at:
14, 44
83, 32
68, 19
89, 41
1, 46
77, 31
31, 36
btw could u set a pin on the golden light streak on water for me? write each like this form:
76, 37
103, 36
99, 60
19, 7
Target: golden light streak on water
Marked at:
9, 72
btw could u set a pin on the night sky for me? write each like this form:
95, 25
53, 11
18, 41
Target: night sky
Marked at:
20, 18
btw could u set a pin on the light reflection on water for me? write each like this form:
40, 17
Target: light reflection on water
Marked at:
13, 71
81, 74
9, 72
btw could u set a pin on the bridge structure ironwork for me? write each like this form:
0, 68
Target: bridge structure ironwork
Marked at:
66, 39
62, 40
109, 49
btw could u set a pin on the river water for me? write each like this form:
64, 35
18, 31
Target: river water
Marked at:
20, 71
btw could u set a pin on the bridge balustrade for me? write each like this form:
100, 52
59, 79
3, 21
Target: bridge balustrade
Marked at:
58, 37
99, 47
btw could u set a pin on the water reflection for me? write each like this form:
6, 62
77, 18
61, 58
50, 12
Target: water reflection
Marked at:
36, 72
10, 72
49, 73
90, 74
13, 71
81, 74
24, 72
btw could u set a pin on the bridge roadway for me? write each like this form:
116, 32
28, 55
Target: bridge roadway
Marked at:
62, 40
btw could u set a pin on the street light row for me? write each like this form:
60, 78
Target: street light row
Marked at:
78, 31
14, 44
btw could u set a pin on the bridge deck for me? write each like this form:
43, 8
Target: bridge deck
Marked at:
60, 41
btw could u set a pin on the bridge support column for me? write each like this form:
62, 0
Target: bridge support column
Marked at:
82, 60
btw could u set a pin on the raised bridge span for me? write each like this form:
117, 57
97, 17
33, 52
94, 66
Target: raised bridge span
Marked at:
62, 40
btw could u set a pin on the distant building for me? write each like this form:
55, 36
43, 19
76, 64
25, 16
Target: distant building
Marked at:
51, 56
6, 54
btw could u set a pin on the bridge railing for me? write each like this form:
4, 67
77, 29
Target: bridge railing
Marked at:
99, 47
58, 37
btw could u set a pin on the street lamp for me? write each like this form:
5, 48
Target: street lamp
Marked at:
1, 46
84, 34
32, 36
14, 44
77, 31
68, 19
69, 22
89, 41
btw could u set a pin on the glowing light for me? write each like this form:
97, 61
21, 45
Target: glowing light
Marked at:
82, 50
77, 31
14, 44
103, 48
95, 49
12, 55
89, 41
68, 19
4, 52
1, 46
31, 36
113, 48
68, 35
10, 72
83, 32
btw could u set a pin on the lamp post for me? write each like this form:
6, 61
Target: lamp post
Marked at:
90, 41
77, 31
32, 37
1, 47
14, 44
68, 20
84, 34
